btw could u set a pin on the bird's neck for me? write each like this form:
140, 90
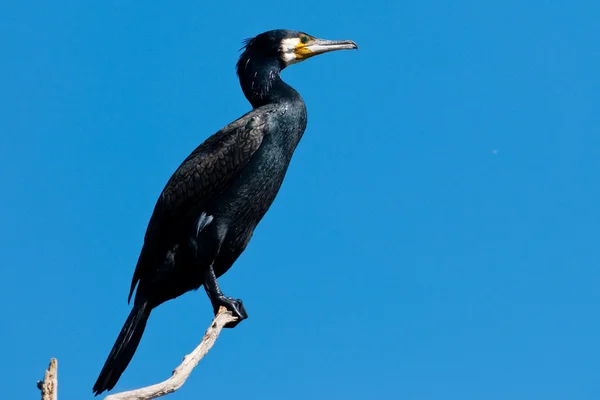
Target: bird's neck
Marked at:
261, 81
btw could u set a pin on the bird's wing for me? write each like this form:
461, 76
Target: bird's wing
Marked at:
208, 170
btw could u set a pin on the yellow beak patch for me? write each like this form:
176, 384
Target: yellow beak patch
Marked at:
301, 51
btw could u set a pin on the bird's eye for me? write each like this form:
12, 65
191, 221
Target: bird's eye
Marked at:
304, 39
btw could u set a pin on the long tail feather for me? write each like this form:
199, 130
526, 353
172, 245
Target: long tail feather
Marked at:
123, 349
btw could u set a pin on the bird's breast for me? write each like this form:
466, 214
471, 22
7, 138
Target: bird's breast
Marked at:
255, 189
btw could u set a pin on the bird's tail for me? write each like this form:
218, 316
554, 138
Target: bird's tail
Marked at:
123, 349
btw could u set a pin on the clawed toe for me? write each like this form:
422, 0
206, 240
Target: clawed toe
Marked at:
235, 306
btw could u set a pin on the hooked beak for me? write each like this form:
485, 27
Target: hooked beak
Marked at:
319, 46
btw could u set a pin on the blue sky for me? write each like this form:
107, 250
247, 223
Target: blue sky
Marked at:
436, 236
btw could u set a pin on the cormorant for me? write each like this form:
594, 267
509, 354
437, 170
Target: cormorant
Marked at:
207, 212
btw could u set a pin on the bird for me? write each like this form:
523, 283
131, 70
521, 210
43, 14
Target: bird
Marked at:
207, 212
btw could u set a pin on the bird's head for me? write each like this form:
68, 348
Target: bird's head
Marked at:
291, 47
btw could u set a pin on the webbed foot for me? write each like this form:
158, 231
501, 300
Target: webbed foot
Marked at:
234, 305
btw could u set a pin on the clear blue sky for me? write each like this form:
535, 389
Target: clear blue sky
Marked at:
445, 196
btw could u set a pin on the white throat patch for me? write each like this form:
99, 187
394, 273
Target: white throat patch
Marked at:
288, 48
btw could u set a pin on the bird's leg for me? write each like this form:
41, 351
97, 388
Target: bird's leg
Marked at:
218, 299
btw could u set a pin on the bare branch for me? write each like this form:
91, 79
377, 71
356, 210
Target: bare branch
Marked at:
183, 371
49, 386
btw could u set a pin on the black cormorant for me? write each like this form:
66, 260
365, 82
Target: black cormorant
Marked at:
205, 215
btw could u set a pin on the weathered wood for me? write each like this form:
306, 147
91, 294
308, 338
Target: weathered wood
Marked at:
49, 386
183, 371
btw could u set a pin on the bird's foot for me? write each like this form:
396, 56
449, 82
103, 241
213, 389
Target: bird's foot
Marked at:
234, 305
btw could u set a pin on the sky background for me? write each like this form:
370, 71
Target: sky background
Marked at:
436, 236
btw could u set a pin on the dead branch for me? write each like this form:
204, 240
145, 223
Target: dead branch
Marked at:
49, 386
183, 371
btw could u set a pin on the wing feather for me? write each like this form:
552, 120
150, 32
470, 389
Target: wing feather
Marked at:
208, 170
